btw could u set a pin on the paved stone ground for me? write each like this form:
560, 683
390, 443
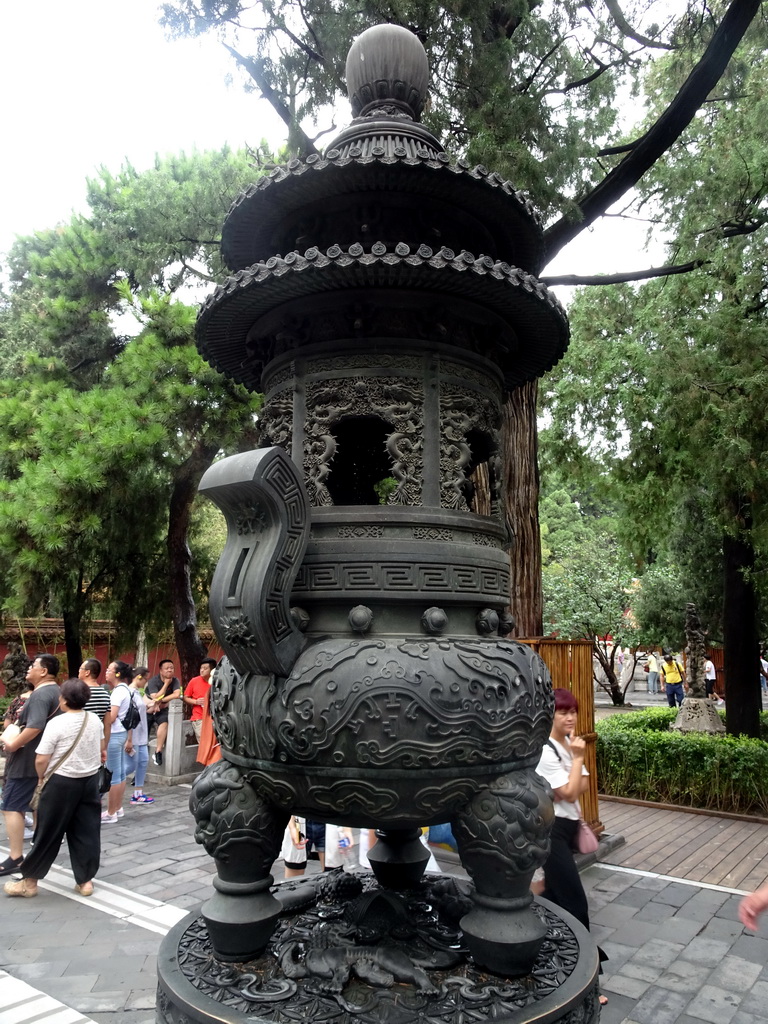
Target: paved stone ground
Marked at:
678, 954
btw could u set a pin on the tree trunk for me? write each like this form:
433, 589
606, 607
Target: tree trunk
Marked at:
608, 665
741, 657
189, 646
72, 643
521, 495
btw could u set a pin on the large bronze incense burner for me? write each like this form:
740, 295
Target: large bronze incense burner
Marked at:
383, 299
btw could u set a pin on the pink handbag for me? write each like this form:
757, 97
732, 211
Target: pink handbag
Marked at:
586, 840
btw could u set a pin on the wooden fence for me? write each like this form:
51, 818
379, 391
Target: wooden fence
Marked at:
570, 665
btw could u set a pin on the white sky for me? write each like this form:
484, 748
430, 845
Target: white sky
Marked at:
91, 82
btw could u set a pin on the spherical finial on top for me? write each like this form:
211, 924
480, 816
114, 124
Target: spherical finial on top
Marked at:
387, 66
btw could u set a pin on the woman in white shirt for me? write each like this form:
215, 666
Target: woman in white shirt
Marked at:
562, 765
69, 803
119, 676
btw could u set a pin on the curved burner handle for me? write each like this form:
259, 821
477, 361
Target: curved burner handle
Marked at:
265, 503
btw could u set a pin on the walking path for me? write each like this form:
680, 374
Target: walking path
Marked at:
678, 954
697, 847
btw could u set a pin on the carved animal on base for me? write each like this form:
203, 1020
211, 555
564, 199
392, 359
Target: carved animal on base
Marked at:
332, 968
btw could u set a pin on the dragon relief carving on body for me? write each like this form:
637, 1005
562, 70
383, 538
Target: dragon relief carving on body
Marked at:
463, 413
397, 401
276, 420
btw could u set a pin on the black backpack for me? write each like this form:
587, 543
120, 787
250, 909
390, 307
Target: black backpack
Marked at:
131, 718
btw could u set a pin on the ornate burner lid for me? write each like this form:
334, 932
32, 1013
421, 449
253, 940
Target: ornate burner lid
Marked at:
387, 67
529, 324
384, 212
384, 154
260, 221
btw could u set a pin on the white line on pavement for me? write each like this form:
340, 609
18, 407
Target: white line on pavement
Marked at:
111, 899
19, 1002
669, 878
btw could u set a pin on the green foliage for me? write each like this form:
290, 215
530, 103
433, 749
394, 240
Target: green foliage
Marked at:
101, 436
384, 488
658, 606
87, 475
652, 719
663, 389
588, 584
587, 594
159, 229
565, 529
658, 720
638, 757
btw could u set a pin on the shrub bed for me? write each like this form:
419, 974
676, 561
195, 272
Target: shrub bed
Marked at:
638, 757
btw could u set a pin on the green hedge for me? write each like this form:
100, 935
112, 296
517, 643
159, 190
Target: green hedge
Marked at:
638, 757
659, 720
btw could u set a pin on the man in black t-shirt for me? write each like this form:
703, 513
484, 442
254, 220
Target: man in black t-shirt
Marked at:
159, 691
21, 774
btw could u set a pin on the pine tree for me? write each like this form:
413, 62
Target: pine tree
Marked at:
104, 438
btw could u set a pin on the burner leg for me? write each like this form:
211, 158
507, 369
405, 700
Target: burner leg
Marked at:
503, 836
243, 832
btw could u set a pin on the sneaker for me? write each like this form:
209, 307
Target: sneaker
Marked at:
29, 821
28, 833
119, 812
157, 758
142, 798
107, 818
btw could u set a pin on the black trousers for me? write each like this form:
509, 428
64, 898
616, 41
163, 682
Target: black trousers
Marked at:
71, 808
561, 876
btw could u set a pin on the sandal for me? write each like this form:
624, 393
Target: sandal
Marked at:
85, 889
21, 888
10, 865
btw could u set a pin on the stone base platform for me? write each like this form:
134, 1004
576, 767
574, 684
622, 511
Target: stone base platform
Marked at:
347, 951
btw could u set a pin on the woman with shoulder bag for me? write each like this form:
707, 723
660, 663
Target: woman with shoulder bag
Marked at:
562, 765
69, 802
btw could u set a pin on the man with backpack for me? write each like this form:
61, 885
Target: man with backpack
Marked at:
673, 677
124, 717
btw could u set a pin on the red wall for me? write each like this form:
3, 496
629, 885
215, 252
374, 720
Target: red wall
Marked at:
104, 654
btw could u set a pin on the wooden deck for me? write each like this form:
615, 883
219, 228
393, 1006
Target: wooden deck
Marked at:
699, 847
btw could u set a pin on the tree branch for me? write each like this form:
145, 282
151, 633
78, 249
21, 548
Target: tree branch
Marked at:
746, 228
530, 79
198, 273
574, 280
270, 94
312, 54
665, 132
621, 22
615, 150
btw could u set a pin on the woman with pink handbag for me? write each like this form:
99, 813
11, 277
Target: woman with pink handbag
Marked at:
562, 765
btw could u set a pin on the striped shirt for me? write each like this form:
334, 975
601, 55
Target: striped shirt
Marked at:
99, 703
